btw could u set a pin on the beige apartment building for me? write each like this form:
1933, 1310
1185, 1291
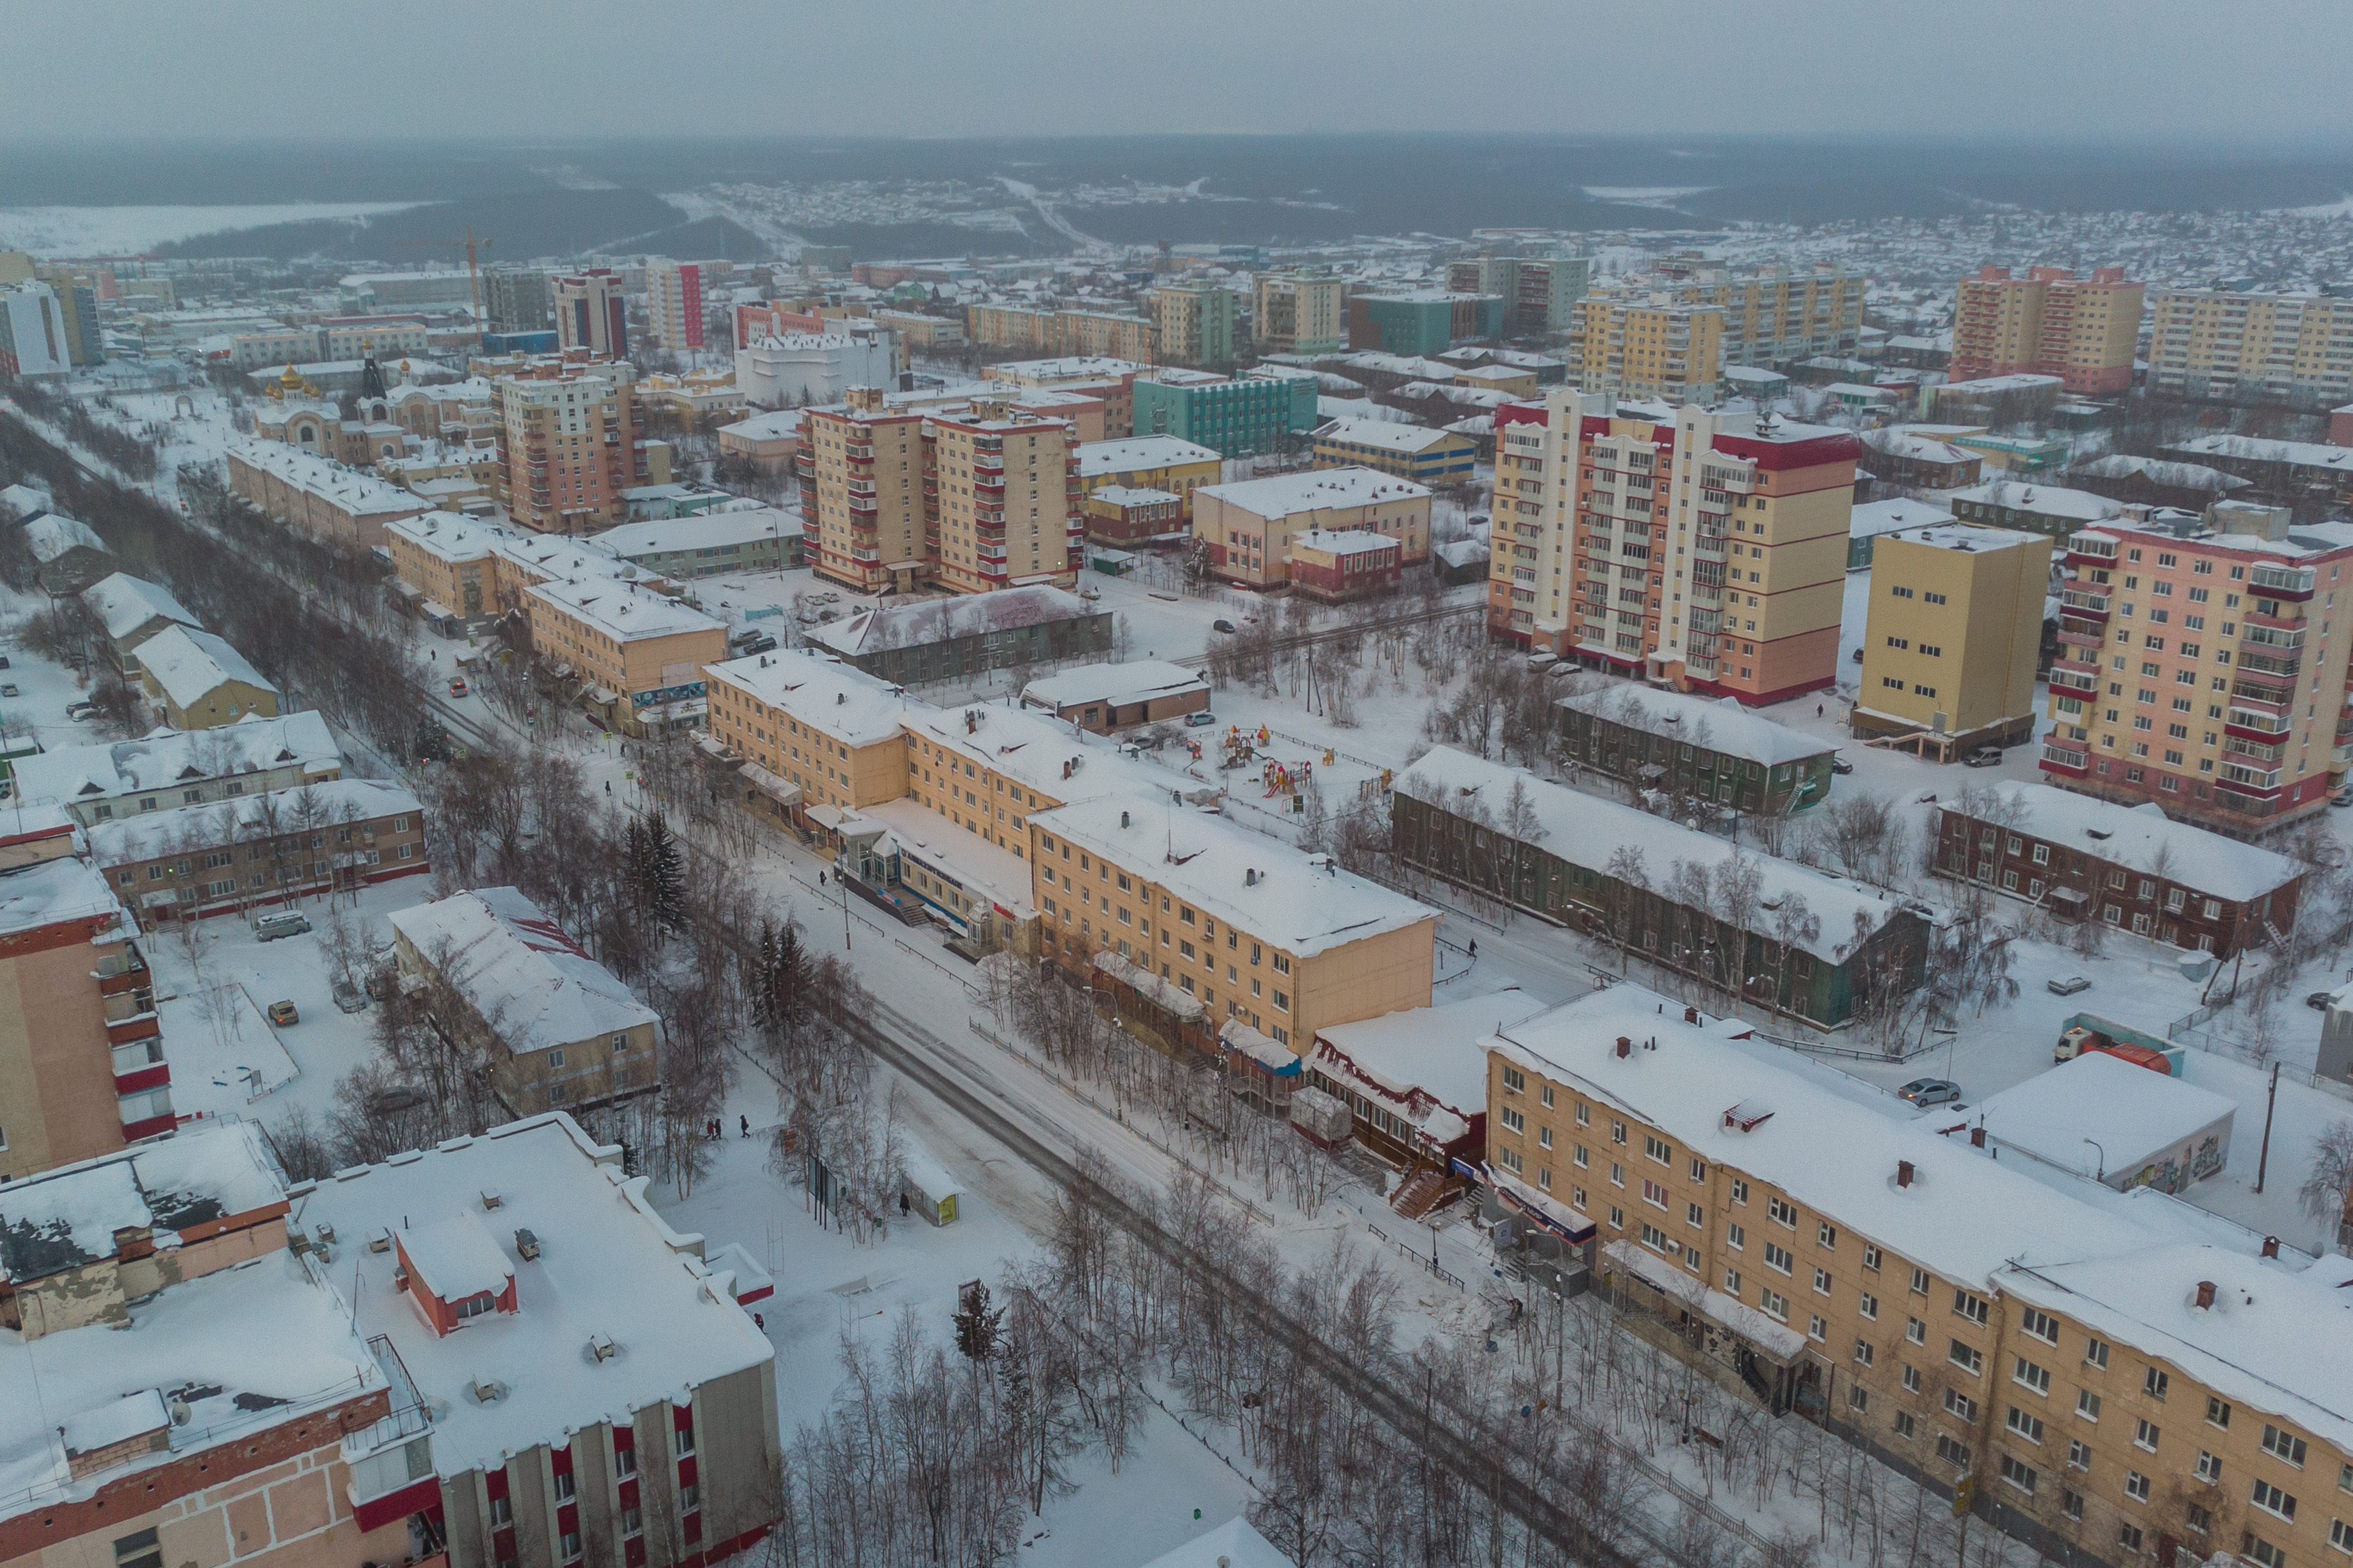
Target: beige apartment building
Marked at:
2205, 670
1079, 332
1247, 528
820, 732
1646, 345
1195, 324
2227, 346
1952, 636
1709, 553
862, 478
570, 441
1299, 313
1200, 927
2049, 322
639, 654
1109, 380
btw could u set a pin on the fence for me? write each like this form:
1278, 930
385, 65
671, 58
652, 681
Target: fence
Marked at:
1419, 1262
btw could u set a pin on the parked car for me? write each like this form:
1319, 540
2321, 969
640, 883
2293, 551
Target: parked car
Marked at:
349, 998
2342, 798
8, 689
1858, 655
80, 712
1221, 625
1983, 757
456, 687
2319, 999
2069, 985
270, 927
1203, 717
1840, 767
283, 1014
1926, 1092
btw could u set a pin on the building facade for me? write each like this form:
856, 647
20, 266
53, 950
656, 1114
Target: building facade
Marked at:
1240, 417
1412, 452
1194, 323
1244, 530
2049, 322
570, 440
638, 656
2227, 346
1624, 344
190, 862
1298, 313
1717, 750
1423, 322
516, 299
590, 314
1952, 638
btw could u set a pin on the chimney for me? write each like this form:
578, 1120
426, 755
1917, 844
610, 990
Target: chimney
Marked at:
1066, 769
1976, 1137
2271, 1247
840, 697
2205, 1295
1123, 819
1250, 876
1902, 1172
1625, 1046
1691, 1015
971, 722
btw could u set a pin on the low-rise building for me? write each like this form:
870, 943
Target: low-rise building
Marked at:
1409, 451
1993, 400
196, 680
1118, 516
1415, 1083
1713, 749
319, 495
1337, 567
768, 441
1149, 462
67, 554
111, 779
813, 732
2148, 482
2103, 1118
1899, 456
250, 851
129, 610
1108, 697
1246, 529
780, 370
2134, 867
638, 656
1809, 946
2052, 511
950, 639
1953, 637
551, 1026
709, 543
2292, 472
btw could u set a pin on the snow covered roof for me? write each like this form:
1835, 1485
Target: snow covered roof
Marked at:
23, 500
623, 611
2021, 381
2134, 836
2157, 470
944, 620
1874, 518
783, 425
1097, 458
54, 534
1440, 1049
1729, 727
1343, 540
168, 757
1967, 537
1387, 434
1133, 495
1280, 495
1589, 830
1460, 552
2045, 500
1292, 901
703, 531
1136, 680
1914, 448
843, 700
519, 970
148, 834
1071, 367
345, 489
2132, 1113
2295, 454
123, 604
62, 1218
608, 1265
455, 1257
1233, 1544
1965, 1216
52, 892
1050, 756
188, 662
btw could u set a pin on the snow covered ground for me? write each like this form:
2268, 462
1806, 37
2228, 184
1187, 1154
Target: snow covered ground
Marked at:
128, 231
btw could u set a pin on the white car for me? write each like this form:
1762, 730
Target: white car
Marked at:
2068, 985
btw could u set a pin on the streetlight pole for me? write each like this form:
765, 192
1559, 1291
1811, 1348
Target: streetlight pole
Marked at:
2103, 1172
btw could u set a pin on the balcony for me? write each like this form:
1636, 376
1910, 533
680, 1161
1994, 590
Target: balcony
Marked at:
863, 504
2265, 722
2081, 679
2068, 759
858, 451
2088, 602
2088, 640
989, 465
2252, 781
862, 487
2290, 583
2091, 550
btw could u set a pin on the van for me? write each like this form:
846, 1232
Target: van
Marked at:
270, 927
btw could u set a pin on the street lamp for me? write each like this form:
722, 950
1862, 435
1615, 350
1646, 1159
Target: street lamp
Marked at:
2103, 1173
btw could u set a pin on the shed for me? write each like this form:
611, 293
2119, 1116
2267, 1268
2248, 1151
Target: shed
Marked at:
926, 1185
2118, 1123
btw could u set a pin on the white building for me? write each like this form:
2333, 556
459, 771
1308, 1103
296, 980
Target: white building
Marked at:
790, 369
33, 332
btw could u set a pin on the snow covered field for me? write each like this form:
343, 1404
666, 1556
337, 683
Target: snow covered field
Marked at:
128, 231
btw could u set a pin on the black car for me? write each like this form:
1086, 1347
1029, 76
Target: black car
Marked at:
1221, 625
1840, 767
2319, 1000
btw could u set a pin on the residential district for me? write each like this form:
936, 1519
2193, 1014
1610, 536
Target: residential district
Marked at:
1011, 880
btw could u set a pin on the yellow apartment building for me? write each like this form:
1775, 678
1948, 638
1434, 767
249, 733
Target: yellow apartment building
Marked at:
1247, 528
2227, 346
1199, 925
1298, 312
822, 733
447, 560
1953, 634
1650, 344
2049, 322
862, 494
1004, 499
1149, 463
639, 654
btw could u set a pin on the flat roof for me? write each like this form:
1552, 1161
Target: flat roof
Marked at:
700, 530
1389, 435
1136, 680
1099, 458
1343, 540
2132, 1112
921, 624
843, 700
1965, 537
1281, 495
624, 611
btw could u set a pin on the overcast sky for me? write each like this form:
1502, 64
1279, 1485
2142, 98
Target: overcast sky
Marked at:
2267, 71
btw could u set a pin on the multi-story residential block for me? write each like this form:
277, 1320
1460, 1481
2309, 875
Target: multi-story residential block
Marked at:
1299, 313
33, 332
129, 610
912, 643
863, 469
1413, 452
1952, 638
100, 782
552, 1027
1539, 292
2084, 858
1111, 381
1062, 332
2226, 347
1194, 323
570, 440
590, 314
674, 302
2052, 511
2205, 670
1245, 529
1718, 750
1192, 924
188, 862
2049, 322
196, 680
573, 1380
813, 731
1650, 344
1810, 946
1421, 322
639, 654
319, 495
1708, 551
82, 1071
1265, 411
517, 300
930, 334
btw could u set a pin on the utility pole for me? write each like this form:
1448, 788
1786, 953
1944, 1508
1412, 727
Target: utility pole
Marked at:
845, 905
2271, 1101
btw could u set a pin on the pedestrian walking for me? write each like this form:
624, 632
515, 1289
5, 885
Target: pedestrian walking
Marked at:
1817, 710
746, 1122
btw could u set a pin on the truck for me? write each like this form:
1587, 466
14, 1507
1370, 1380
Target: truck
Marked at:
2090, 1032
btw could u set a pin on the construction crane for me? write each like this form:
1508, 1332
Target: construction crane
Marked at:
473, 265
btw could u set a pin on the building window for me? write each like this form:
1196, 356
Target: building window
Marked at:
2283, 1445
2135, 1486
139, 1550
2018, 1474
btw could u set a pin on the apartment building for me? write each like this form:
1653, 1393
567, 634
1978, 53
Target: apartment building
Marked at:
517, 300
2287, 472
129, 610
2230, 346
1421, 322
100, 782
864, 487
590, 314
1713, 749
251, 851
1298, 313
1245, 529
1194, 323
2205, 670
1412, 452
2049, 322
1267, 410
318, 495
1193, 924
1113, 333
946, 639
709, 543
570, 440
196, 680
1538, 292
1111, 379
639, 655
674, 306
814, 732
552, 1027
82, 1071
1626, 344
1952, 636
2084, 858
1707, 550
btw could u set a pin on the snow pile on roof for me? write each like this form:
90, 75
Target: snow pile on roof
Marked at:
123, 604
608, 1265
1097, 458
1284, 494
1406, 440
56, 891
1970, 537
1163, 993
455, 1257
190, 664
944, 620
1719, 724
62, 1218
53, 534
344, 489
624, 611
1913, 448
1589, 831
302, 808
1875, 518
2133, 1114
1299, 904
1429, 1063
178, 758
1461, 552
2135, 835
783, 425
1137, 680
840, 700
518, 970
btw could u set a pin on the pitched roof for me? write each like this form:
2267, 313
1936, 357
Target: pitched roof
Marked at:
2135, 836
944, 620
105, 769
123, 604
519, 970
188, 663
1727, 726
